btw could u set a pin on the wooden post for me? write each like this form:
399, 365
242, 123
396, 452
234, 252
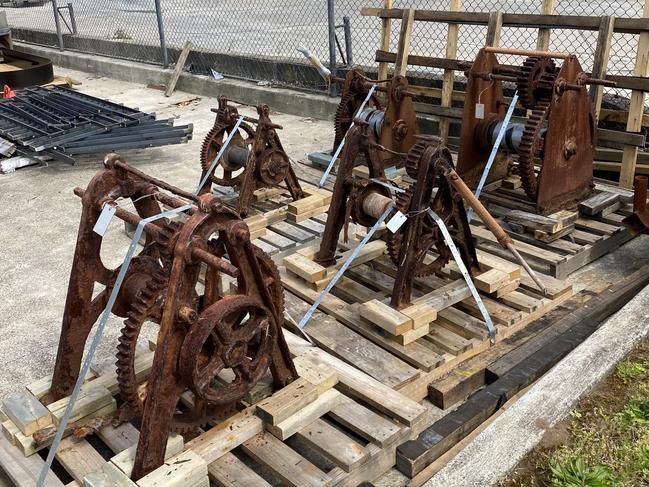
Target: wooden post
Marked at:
493, 29
543, 39
386, 31
636, 107
182, 59
405, 37
600, 61
449, 74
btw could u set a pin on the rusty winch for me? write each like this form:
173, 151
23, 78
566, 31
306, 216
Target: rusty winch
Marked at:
559, 133
216, 346
418, 247
254, 157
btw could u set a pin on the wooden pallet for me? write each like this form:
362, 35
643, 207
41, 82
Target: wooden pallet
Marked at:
335, 425
374, 342
593, 236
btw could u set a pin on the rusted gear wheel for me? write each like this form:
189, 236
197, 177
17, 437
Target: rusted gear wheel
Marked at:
346, 112
274, 166
531, 144
212, 144
148, 307
414, 156
536, 81
429, 238
233, 333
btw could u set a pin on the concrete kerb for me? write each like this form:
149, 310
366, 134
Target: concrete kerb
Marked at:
284, 100
499, 448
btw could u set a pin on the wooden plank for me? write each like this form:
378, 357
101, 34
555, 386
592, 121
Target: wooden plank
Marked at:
543, 38
449, 74
184, 469
333, 444
462, 324
23, 470
305, 416
600, 61
384, 44
534, 221
405, 38
119, 438
287, 401
27, 412
338, 340
597, 203
78, 457
180, 65
447, 340
304, 267
227, 435
288, 465
491, 280
365, 422
494, 28
125, 460
90, 399
108, 476
292, 232
229, 471
636, 107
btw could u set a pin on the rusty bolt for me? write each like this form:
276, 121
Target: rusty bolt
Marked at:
187, 315
569, 149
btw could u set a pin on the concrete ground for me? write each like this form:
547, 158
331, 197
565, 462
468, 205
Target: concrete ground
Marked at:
39, 217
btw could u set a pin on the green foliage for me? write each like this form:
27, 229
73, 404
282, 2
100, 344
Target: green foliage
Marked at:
575, 473
121, 34
628, 370
635, 412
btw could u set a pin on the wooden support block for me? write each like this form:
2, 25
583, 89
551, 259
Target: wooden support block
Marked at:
287, 401
256, 222
293, 218
125, 460
551, 237
291, 231
27, 412
293, 469
412, 335
491, 281
321, 376
229, 471
91, 398
305, 205
383, 316
119, 438
566, 217
184, 469
42, 386
9, 430
446, 392
108, 476
533, 221
345, 452
421, 314
512, 286
322, 192
305, 267
263, 194
595, 204
521, 301
305, 416
512, 182
490, 261
142, 366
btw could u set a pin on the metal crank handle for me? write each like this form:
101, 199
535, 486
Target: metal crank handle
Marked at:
503, 238
323, 70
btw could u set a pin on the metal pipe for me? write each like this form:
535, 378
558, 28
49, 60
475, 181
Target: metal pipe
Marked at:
161, 32
494, 227
526, 52
73, 19
57, 23
332, 45
640, 194
348, 40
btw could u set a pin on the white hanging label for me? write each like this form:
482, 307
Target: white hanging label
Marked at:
396, 221
479, 110
104, 219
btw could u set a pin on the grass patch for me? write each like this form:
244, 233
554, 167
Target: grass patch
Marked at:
604, 442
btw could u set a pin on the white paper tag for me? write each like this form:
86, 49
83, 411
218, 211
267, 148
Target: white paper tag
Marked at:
479, 110
104, 219
396, 221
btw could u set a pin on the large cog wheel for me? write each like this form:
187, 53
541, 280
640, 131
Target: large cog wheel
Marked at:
530, 146
536, 81
212, 145
346, 112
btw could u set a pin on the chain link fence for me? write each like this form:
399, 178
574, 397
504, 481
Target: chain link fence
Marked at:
257, 39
